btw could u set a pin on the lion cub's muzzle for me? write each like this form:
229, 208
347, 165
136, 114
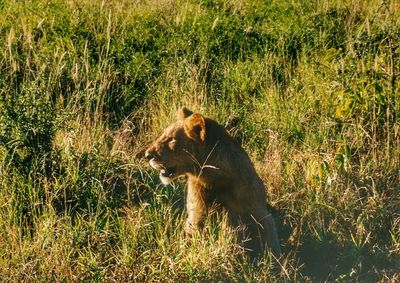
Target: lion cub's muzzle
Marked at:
167, 174
150, 154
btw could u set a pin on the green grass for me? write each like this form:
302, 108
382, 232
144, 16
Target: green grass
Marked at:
310, 89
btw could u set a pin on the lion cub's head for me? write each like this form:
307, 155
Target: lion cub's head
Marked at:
173, 154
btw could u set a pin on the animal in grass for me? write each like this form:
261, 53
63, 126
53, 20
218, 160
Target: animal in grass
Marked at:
218, 171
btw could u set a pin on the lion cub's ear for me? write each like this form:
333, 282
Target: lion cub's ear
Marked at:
184, 113
195, 127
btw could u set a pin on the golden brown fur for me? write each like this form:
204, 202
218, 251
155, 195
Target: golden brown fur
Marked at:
218, 171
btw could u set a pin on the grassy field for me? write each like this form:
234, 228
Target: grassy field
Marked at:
311, 89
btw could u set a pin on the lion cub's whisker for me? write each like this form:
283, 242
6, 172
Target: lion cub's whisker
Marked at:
204, 165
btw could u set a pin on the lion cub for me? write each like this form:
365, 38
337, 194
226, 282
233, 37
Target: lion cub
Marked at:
218, 171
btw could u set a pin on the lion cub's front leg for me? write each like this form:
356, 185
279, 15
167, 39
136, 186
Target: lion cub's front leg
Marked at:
196, 207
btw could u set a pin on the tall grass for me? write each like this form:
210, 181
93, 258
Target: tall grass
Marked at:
309, 88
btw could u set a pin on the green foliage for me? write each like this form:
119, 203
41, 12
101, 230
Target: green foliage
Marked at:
26, 130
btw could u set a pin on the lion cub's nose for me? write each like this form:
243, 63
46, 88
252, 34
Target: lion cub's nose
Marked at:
149, 154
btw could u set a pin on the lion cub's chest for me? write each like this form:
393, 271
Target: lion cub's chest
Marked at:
221, 194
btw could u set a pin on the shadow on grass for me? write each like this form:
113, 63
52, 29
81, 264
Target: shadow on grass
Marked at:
326, 259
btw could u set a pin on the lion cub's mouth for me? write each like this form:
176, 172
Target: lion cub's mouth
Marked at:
168, 175
168, 172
